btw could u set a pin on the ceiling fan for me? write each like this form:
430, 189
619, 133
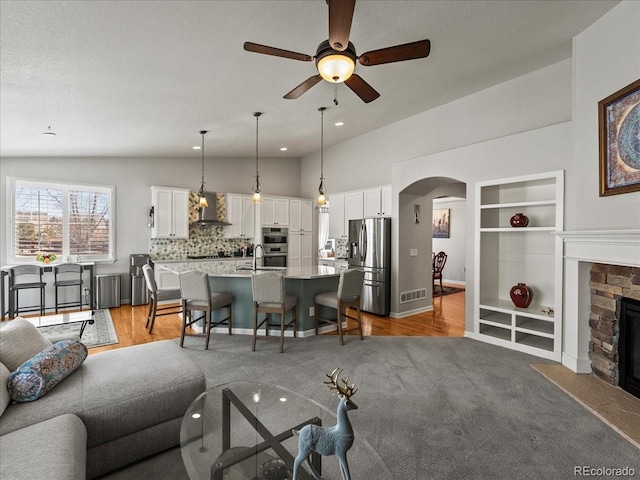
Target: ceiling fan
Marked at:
335, 58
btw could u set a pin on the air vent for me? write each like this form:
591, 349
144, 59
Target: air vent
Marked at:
413, 295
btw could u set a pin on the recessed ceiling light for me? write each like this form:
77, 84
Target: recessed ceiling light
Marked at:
197, 147
339, 124
283, 149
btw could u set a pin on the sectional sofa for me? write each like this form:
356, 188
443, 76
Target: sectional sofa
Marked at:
116, 408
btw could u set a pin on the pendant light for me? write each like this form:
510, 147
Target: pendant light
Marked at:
202, 202
256, 191
322, 200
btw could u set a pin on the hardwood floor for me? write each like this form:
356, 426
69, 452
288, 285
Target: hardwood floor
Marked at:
447, 319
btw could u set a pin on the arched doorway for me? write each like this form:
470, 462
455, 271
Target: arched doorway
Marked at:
416, 243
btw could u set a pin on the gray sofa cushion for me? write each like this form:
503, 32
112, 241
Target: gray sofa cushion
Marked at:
118, 392
19, 341
133, 388
53, 449
5, 399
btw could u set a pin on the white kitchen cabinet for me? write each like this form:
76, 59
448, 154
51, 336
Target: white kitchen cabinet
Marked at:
336, 216
326, 262
342, 208
170, 212
377, 202
300, 249
241, 216
506, 256
274, 211
300, 215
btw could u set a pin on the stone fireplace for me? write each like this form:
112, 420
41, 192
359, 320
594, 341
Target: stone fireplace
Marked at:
609, 284
589, 302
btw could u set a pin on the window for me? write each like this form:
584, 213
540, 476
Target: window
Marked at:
63, 219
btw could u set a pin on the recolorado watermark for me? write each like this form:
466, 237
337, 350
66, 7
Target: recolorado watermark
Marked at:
589, 471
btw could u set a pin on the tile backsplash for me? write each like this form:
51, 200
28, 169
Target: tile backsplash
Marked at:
203, 239
341, 248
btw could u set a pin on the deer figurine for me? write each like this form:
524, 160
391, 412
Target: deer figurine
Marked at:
336, 440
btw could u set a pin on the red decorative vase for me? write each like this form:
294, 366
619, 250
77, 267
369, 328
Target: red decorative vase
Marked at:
521, 295
519, 220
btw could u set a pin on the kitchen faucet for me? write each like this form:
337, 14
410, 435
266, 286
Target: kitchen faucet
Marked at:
255, 256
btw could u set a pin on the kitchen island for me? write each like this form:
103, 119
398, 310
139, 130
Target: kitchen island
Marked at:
302, 282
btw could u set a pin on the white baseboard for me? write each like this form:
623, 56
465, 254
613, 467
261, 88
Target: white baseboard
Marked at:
411, 312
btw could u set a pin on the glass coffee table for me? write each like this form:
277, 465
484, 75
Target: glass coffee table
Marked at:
84, 318
243, 430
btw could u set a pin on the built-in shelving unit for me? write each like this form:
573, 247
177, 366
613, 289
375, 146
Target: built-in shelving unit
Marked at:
508, 255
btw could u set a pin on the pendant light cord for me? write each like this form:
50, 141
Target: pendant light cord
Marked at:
257, 115
321, 187
202, 150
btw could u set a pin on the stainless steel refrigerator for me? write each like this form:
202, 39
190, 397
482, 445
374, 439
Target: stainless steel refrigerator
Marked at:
370, 250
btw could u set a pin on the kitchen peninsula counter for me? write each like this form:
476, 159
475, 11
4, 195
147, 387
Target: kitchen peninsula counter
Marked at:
302, 282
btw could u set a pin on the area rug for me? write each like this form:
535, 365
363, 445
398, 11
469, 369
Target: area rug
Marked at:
101, 333
433, 408
447, 291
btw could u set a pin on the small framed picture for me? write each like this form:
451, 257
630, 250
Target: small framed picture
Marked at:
619, 129
441, 222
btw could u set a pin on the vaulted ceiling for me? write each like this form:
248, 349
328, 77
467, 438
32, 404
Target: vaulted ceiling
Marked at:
142, 78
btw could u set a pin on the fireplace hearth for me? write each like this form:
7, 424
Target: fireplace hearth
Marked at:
629, 346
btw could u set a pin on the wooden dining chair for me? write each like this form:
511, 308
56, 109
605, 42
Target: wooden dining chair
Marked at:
436, 269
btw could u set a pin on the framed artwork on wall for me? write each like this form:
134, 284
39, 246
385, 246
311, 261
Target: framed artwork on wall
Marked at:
619, 130
441, 222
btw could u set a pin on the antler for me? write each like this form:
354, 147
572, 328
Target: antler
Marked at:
344, 390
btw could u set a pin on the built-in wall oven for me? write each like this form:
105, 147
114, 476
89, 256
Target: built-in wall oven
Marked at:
275, 243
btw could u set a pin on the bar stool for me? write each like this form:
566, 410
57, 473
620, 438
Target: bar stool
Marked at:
68, 275
25, 277
158, 295
197, 296
268, 298
347, 295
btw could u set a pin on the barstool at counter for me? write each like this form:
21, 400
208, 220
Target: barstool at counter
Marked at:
26, 277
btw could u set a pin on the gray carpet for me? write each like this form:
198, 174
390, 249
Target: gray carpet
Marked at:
433, 408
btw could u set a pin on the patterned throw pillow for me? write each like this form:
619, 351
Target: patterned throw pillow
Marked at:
41, 373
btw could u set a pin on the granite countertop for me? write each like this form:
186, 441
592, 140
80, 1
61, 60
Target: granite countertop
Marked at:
213, 268
186, 260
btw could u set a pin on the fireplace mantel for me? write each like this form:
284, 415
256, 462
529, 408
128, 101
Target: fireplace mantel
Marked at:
618, 247
581, 249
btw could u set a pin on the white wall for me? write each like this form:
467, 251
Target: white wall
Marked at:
541, 150
606, 58
525, 103
133, 177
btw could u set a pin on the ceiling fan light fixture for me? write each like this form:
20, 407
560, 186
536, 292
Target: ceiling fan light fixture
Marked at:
335, 67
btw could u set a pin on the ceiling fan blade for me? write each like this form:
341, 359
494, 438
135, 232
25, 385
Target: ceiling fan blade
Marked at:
303, 87
340, 18
399, 53
276, 52
361, 88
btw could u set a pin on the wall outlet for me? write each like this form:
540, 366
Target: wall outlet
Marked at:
312, 311
413, 252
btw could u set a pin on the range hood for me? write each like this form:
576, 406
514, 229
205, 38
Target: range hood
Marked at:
209, 215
